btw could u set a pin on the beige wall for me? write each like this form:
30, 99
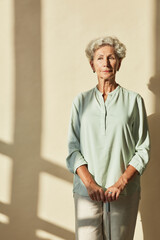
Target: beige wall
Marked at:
43, 67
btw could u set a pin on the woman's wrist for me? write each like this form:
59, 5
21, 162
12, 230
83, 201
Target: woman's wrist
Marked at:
129, 173
85, 176
121, 183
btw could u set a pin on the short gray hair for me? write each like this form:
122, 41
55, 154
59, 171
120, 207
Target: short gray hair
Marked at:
120, 49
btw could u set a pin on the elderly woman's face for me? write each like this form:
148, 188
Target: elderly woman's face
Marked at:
105, 63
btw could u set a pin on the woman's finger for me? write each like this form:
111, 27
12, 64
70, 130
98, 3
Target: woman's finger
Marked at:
97, 196
91, 197
117, 194
113, 196
102, 195
109, 196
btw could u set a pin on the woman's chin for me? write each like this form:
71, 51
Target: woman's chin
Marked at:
108, 78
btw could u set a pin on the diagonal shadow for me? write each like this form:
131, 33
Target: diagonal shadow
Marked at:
25, 151
58, 231
56, 170
149, 206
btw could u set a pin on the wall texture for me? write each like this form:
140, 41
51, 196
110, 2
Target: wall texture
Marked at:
43, 67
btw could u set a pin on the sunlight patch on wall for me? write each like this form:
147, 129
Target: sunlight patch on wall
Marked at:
54, 201
139, 229
47, 236
7, 71
5, 179
57, 46
4, 219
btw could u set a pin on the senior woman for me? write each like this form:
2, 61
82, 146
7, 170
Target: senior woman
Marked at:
108, 148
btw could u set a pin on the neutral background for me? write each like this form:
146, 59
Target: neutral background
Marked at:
42, 68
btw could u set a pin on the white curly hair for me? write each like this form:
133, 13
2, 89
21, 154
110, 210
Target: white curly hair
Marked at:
120, 49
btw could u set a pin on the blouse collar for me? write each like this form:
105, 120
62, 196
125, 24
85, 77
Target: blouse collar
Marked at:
110, 93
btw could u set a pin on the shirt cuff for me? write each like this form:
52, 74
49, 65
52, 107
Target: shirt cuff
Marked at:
79, 162
137, 166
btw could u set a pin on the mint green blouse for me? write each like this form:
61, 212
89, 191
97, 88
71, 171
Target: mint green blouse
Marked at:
108, 136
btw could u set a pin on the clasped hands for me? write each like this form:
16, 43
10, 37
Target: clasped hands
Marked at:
112, 193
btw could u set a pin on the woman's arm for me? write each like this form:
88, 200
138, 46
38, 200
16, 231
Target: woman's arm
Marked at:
75, 158
141, 137
95, 192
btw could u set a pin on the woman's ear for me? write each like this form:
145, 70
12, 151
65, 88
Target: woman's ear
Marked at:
92, 66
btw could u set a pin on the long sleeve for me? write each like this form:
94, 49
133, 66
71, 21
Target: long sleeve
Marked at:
75, 158
141, 137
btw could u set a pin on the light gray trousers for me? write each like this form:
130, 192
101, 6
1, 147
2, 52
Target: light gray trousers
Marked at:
91, 221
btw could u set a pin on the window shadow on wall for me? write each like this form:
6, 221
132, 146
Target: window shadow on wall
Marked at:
26, 149
149, 207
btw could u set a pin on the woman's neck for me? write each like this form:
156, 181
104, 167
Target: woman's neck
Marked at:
106, 87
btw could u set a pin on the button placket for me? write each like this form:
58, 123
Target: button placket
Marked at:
106, 105
103, 113
103, 116
104, 108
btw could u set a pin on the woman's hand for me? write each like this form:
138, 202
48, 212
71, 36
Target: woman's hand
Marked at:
95, 192
112, 193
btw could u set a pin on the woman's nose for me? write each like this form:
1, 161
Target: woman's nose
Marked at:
106, 63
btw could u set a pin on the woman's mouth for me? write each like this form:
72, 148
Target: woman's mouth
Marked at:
107, 71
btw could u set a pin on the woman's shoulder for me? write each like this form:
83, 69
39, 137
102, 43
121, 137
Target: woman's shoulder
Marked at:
131, 93
82, 96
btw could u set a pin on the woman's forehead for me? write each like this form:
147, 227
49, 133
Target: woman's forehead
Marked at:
105, 50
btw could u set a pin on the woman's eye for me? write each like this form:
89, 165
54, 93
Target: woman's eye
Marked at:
100, 58
111, 57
